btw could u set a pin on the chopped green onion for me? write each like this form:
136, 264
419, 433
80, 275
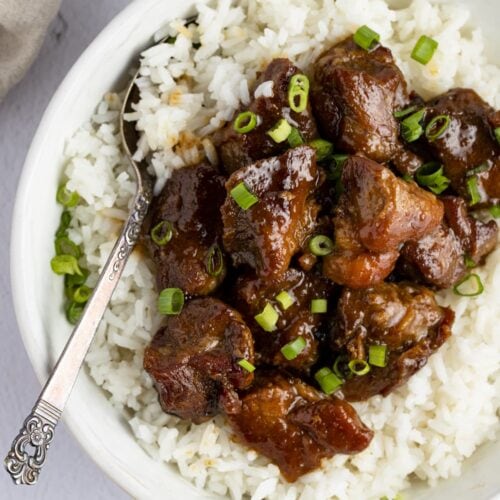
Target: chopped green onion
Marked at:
497, 134
245, 122
65, 264
472, 188
285, 300
280, 131
321, 245
74, 312
323, 148
298, 88
359, 367
437, 127
243, 197
411, 129
404, 112
366, 38
295, 139
82, 294
319, 306
246, 365
407, 178
64, 224
75, 280
336, 367
335, 172
431, 176
424, 49
463, 287
293, 349
377, 355
162, 233
67, 198
327, 380
495, 211
469, 262
64, 245
215, 261
171, 301
268, 318
339, 159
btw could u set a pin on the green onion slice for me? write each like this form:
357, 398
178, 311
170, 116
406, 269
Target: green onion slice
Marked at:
323, 148
319, 306
327, 380
64, 245
497, 134
65, 264
268, 318
67, 198
336, 367
469, 286
75, 280
63, 224
405, 112
171, 301
285, 300
359, 367
431, 176
162, 233
298, 93
246, 365
366, 38
377, 355
495, 211
437, 127
321, 245
215, 261
424, 49
411, 129
245, 122
295, 138
74, 312
243, 196
407, 178
291, 350
82, 294
469, 262
280, 132
473, 190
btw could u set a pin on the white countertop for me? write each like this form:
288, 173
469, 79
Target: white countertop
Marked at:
69, 472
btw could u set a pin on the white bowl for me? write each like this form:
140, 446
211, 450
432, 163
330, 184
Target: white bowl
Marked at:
38, 294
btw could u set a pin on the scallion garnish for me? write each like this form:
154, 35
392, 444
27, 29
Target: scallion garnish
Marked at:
215, 261
294, 348
243, 196
437, 127
469, 286
366, 38
359, 367
430, 175
162, 233
75, 280
64, 246
323, 148
171, 301
74, 312
82, 294
407, 178
473, 190
294, 138
65, 222
424, 49
336, 367
377, 355
405, 112
298, 92
497, 134
65, 264
280, 132
67, 198
246, 365
245, 122
321, 245
319, 306
411, 129
495, 211
469, 262
327, 380
284, 299
268, 318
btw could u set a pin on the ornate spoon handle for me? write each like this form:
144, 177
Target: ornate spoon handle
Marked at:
29, 449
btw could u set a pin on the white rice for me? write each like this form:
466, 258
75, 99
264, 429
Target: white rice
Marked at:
424, 430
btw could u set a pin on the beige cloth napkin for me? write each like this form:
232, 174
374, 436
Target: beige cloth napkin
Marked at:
23, 24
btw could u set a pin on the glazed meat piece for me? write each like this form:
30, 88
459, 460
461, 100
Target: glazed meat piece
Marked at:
193, 360
270, 104
377, 213
468, 146
438, 258
354, 95
190, 205
267, 235
295, 426
404, 317
295, 321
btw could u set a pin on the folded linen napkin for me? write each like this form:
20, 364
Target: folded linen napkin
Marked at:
23, 24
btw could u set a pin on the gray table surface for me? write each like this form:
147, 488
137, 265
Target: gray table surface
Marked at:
69, 473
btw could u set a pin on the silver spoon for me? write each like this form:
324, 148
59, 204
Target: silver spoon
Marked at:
29, 449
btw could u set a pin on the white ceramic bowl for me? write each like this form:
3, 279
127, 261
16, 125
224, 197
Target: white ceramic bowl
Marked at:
38, 294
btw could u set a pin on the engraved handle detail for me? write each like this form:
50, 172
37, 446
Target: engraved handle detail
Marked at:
29, 449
